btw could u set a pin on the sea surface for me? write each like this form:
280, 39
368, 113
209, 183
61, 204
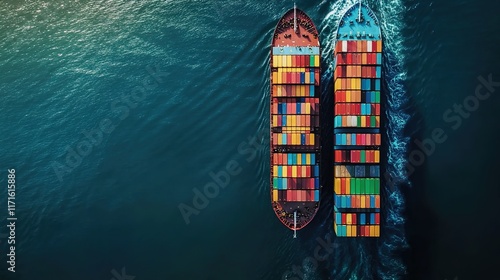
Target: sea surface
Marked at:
116, 114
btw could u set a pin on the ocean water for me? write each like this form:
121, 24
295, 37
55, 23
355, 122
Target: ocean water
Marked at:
115, 114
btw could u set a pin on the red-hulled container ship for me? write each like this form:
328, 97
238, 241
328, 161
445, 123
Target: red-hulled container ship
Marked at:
294, 115
357, 86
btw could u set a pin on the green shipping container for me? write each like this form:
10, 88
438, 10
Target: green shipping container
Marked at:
353, 186
311, 60
363, 156
373, 121
377, 96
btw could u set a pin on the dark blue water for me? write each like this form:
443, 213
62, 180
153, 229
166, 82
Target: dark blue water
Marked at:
115, 114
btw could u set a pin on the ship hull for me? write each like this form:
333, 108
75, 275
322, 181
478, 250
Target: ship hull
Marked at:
294, 120
357, 124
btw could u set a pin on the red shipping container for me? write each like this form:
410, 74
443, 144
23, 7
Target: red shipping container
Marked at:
347, 109
344, 219
338, 156
377, 218
342, 186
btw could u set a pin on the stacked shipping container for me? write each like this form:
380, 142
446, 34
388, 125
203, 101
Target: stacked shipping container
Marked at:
295, 124
357, 83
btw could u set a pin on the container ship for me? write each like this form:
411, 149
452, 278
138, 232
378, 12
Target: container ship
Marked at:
357, 136
294, 120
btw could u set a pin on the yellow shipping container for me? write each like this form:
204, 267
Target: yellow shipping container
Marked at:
316, 60
308, 108
363, 121
275, 195
275, 171
377, 231
348, 185
284, 171
303, 170
377, 156
288, 61
275, 120
372, 230
337, 186
348, 231
363, 204
379, 46
294, 171
311, 139
299, 159
348, 219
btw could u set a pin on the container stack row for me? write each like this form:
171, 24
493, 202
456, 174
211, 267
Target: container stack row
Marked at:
296, 195
357, 138
284, 61
289, 90
295, 124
